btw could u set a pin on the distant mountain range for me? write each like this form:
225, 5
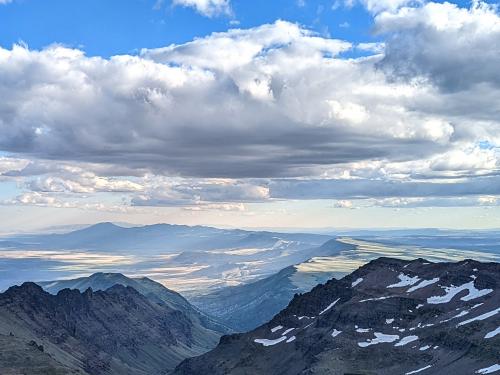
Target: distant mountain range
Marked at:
123, 326
388, 317
159, 238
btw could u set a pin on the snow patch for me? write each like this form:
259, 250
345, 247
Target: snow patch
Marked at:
335, 333
379, 338
356, 282
424, 348
406, 340
375, 299
267, 342
287, 331
462, 313
452, 291
419, 370
493, 333
389, 321
405, 280
363, 330
290, 339
489, 370
277, 328
329, 306
423, 284
480, 317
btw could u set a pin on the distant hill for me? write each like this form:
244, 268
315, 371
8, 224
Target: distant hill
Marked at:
390, 317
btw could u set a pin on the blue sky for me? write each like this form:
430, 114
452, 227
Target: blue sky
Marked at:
106, 28
347, 113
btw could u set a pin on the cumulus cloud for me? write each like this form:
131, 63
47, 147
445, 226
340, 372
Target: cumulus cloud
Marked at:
209, 8
271, 112
265, 102
377, 6
455, 48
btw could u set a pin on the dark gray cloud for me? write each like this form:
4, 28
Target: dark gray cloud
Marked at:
363, 189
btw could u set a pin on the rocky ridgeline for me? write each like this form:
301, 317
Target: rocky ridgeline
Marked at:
117, 331
388, 317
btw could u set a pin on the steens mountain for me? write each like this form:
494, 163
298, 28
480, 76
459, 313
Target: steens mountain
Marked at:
116, 331
159, 238
388, 317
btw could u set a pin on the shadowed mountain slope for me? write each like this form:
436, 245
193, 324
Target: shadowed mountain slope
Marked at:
153, 290
245, 307
117, 331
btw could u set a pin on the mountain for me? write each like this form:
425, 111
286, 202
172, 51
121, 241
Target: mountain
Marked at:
159, 238
388, 317
117, 331
154, 291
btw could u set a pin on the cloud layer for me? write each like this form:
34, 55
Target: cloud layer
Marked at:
272, 112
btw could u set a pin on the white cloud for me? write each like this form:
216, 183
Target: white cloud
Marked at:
488, 200
343, 204
378, 6
234, 115
455, 48
47, 200
209, 8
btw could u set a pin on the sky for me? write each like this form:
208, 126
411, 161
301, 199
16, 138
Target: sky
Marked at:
299, 113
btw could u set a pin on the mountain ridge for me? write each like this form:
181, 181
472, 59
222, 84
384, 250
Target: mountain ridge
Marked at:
388, 317
116, 331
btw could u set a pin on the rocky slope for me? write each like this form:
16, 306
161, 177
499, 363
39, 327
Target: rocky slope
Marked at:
151, 289
117, 331
388, 317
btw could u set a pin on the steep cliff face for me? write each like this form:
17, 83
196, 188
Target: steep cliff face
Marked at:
388, 317
117, 331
